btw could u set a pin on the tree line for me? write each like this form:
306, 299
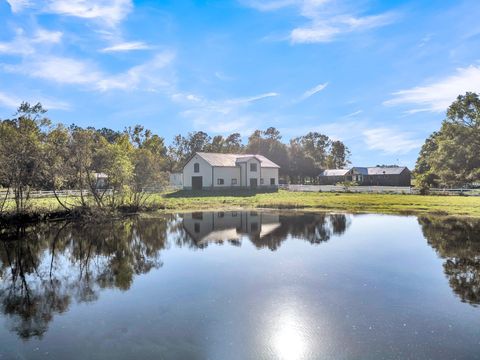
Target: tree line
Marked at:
451, 156
300, 159
35, 154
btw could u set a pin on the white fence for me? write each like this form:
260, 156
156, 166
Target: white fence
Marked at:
359, 189
378, 189
60, 193
64, 193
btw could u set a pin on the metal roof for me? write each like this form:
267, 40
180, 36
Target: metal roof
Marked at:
334, 172
380, 170
230, 160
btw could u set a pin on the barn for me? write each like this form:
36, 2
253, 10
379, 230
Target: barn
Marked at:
223, 171
335, 176
368, 176
382, 176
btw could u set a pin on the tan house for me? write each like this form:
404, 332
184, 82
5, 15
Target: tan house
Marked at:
223, 171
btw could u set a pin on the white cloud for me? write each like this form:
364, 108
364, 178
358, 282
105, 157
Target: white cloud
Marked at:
353, 114
438, 96
325, 29
24, 45
221, 76
147, 76
390, 141
46, 36
221, 116
19, 5
13, 102
9, 101
326, 19
251, 98
314, 90
263, 5
58, 69
109, 12
127, 46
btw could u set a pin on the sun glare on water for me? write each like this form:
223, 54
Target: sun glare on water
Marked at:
289, 339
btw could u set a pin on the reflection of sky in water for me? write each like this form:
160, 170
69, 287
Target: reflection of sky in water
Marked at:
288, 287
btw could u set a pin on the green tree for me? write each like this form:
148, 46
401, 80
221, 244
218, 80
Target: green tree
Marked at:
233, 143
449, 156
22, 160
338, 156
268, 143
58, 171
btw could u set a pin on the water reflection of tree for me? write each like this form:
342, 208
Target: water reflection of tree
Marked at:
458, 242
314, 228
44, 267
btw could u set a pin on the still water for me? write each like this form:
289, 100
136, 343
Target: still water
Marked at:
242, 285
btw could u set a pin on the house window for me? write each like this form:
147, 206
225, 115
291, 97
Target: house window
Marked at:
221, 214
197, 215
196, 167
261, 181
197, 227
253, 167
234, 181
254, 227
272, 181
220, 181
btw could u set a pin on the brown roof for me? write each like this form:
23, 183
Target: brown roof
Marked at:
230, 160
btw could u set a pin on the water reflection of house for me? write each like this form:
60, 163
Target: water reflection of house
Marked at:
207, 227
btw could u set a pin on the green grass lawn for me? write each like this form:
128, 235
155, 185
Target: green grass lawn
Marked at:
365, 203
376, 203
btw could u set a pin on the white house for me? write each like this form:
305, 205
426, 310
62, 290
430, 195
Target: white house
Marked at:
216, 171
217, 227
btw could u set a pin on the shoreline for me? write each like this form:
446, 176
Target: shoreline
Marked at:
388, 204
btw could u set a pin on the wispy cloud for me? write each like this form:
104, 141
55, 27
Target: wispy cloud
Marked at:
313, 91
149, 76
251, 99
127, 46
328, 29
390, 141
265, 5
26, 44
109, 12
326, 20
12, 102
438, 95
57, 69
353, 114
146, 76
19, 5
221, 116
9, 101
223, 77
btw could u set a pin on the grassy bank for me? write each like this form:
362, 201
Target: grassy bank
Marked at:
363, 203
374, 203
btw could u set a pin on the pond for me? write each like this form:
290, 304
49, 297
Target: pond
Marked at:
242, 285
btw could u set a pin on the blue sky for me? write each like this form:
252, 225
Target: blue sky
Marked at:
376, 74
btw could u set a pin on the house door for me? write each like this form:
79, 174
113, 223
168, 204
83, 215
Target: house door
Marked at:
197, 182
253, 183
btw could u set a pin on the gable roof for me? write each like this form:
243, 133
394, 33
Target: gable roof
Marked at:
380, 170
334, 172
230, 160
